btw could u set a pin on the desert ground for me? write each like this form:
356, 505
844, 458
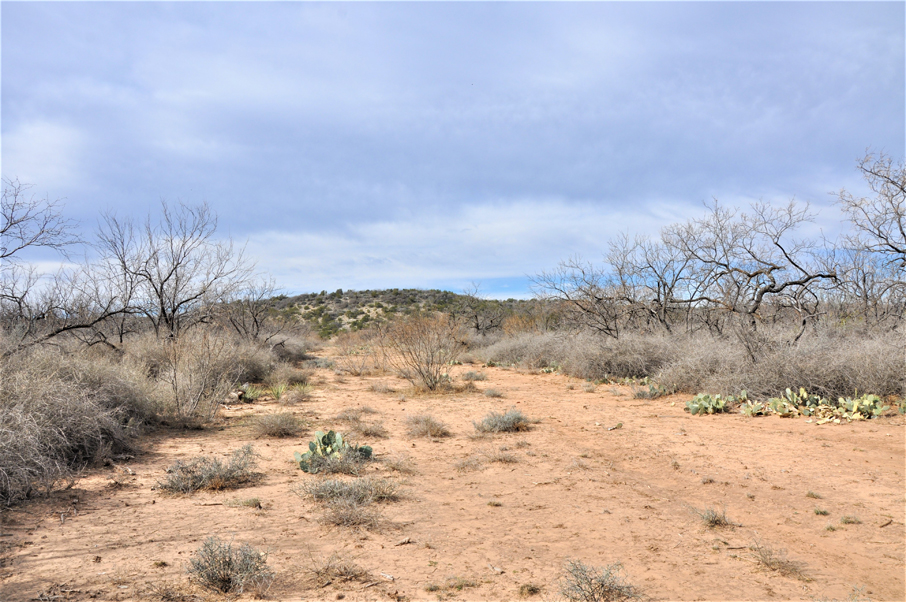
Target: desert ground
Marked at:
483, 517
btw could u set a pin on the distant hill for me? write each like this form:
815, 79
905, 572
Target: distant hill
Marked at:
329, 313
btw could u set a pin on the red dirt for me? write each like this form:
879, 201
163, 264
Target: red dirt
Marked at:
578, 490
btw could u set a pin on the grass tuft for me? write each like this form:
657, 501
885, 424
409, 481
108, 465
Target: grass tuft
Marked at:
714, 519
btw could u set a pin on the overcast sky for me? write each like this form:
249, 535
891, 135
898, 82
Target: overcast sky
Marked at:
431, 145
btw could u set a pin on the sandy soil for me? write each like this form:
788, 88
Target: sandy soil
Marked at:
576, 490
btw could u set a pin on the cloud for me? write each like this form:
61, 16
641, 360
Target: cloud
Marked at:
46, 152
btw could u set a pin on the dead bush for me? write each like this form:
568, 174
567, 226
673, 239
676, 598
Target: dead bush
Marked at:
61, 412
358, 354
278, 424
420, 348
212, 473
219, 566
511, 421
287, 374
583, 583
426, 426
337, 568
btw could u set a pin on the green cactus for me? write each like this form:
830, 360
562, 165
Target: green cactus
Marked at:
325, 446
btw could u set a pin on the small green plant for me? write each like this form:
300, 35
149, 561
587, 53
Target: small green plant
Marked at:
278, 390
583, 583
704, 403
830, 527
251, 393
212, 474
278, 424
426, 426
813, 495
821, 512
754, 408
653, 392
510, 422
472, 376
328, 448
219, 566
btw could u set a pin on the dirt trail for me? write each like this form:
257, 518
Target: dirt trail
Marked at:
571, 489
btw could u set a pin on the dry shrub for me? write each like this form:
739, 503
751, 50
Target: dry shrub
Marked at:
61, 412
827, 365
296, 347
420, 348
511, 421
219, 566
583, 583
426, 426
776, 560
212, 473
357, 352
337, 568
278, 424
349, 503
287, 374
714, 519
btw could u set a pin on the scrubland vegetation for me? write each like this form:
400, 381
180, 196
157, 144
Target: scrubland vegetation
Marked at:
166, 324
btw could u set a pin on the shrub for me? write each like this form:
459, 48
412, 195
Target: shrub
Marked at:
510, 422
337, 568
493, 393
776, 560
362, 491
472, 376
287, 374
421, 348
426, 426
212, 474
583, 583
221, 567
279, 424
62, 412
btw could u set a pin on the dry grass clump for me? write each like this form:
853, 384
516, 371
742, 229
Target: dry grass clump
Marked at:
583, 583
529, 589
776, 560
714, 519
287, 374
381, 388
277, 424
353, 416
472, 376
452, 584
349, 503
510, 422
494, 393
426, 426
362, 491
337, 568
212, 473
295, 348
218, 566
850, 520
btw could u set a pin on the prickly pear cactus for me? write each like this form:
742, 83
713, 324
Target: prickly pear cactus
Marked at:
328, 445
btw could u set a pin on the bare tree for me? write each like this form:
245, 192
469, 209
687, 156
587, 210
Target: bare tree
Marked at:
882, 218
30, 222
174, 269
481, 315
742, 260
590, 296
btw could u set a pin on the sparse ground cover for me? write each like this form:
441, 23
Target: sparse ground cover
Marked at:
571, 492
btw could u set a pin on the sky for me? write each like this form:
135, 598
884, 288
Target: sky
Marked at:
436, 145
